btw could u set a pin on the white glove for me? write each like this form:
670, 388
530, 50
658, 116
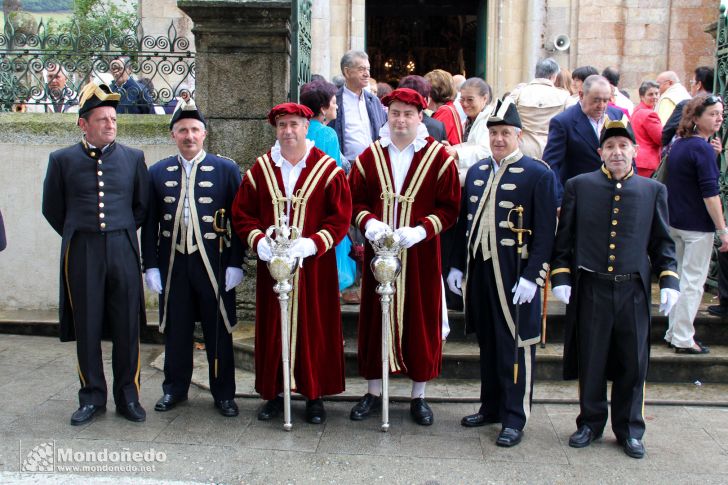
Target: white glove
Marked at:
153, 280
303, 248
409, 236
524, 291
668, 298
455, 281
374, 229
233, 277
562, 293
264, 252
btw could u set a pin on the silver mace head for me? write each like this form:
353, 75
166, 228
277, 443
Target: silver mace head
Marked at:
386, 264
282, 265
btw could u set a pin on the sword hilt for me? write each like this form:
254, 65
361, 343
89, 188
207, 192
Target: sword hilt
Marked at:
518, 227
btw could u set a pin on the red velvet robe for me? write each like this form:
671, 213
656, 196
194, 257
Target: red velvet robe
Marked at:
430, 197
317, 352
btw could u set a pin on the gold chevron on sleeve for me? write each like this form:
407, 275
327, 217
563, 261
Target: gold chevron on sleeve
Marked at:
436, 224
252, 236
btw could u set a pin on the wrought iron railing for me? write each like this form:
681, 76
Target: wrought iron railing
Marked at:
163, 64
300, 46
721, 89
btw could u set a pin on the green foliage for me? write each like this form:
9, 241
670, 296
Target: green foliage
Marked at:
110, 18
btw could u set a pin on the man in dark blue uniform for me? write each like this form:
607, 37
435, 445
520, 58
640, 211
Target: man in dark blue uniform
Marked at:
181, 255
487, 254
95, 196
613, 231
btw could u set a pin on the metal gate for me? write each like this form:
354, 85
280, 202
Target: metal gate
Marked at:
300, 47
163, 63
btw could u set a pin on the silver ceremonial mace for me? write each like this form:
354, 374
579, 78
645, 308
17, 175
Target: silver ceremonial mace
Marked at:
386, 266
282, 267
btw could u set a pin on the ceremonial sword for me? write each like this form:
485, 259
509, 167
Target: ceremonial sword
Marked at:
519, 230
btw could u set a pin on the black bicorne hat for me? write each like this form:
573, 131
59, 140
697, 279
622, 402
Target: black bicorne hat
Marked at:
186, 109
617, 128
95, 95
505, 113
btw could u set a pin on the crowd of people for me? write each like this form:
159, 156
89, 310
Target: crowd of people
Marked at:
488, 197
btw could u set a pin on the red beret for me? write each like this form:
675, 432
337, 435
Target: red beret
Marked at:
289, 109
405, 95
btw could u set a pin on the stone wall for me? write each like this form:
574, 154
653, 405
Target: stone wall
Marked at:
29, 267
641, 37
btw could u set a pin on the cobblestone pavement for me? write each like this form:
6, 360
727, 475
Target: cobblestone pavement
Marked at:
194, 444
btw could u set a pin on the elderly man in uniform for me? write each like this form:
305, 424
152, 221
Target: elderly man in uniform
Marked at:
488, 255
182, 258
613, 232
95, 196
537, 102
405, 182
298, 182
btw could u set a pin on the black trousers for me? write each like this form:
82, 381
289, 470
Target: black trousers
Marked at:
191, 297
104, 280
613, 338
500, 397
723, 278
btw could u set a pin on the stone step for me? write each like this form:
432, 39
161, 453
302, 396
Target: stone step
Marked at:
461, 361
708, 329
468, 390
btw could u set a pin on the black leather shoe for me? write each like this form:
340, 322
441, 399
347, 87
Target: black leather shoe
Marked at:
132, 411
168, 402
634, 448
227, 408
718, 310
315, 412
509, 437
366, 405
583, 437
702, 349
421, 412
477, 419
85, 413
271, 409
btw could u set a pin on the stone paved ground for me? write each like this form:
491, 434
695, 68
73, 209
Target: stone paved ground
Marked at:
685, 444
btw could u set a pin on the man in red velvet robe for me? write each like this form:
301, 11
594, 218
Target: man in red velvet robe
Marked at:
297, 180
406, 182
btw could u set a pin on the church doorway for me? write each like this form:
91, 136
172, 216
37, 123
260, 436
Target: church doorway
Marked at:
416, 36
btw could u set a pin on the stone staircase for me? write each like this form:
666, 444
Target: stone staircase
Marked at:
461, 354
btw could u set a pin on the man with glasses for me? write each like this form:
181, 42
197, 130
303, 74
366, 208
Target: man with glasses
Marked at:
360, 114
671, 93
573, 140
135, 99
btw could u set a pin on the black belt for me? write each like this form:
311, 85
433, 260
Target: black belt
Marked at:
614, 278
103, 233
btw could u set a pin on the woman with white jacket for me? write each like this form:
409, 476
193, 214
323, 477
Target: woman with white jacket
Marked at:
475, 95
